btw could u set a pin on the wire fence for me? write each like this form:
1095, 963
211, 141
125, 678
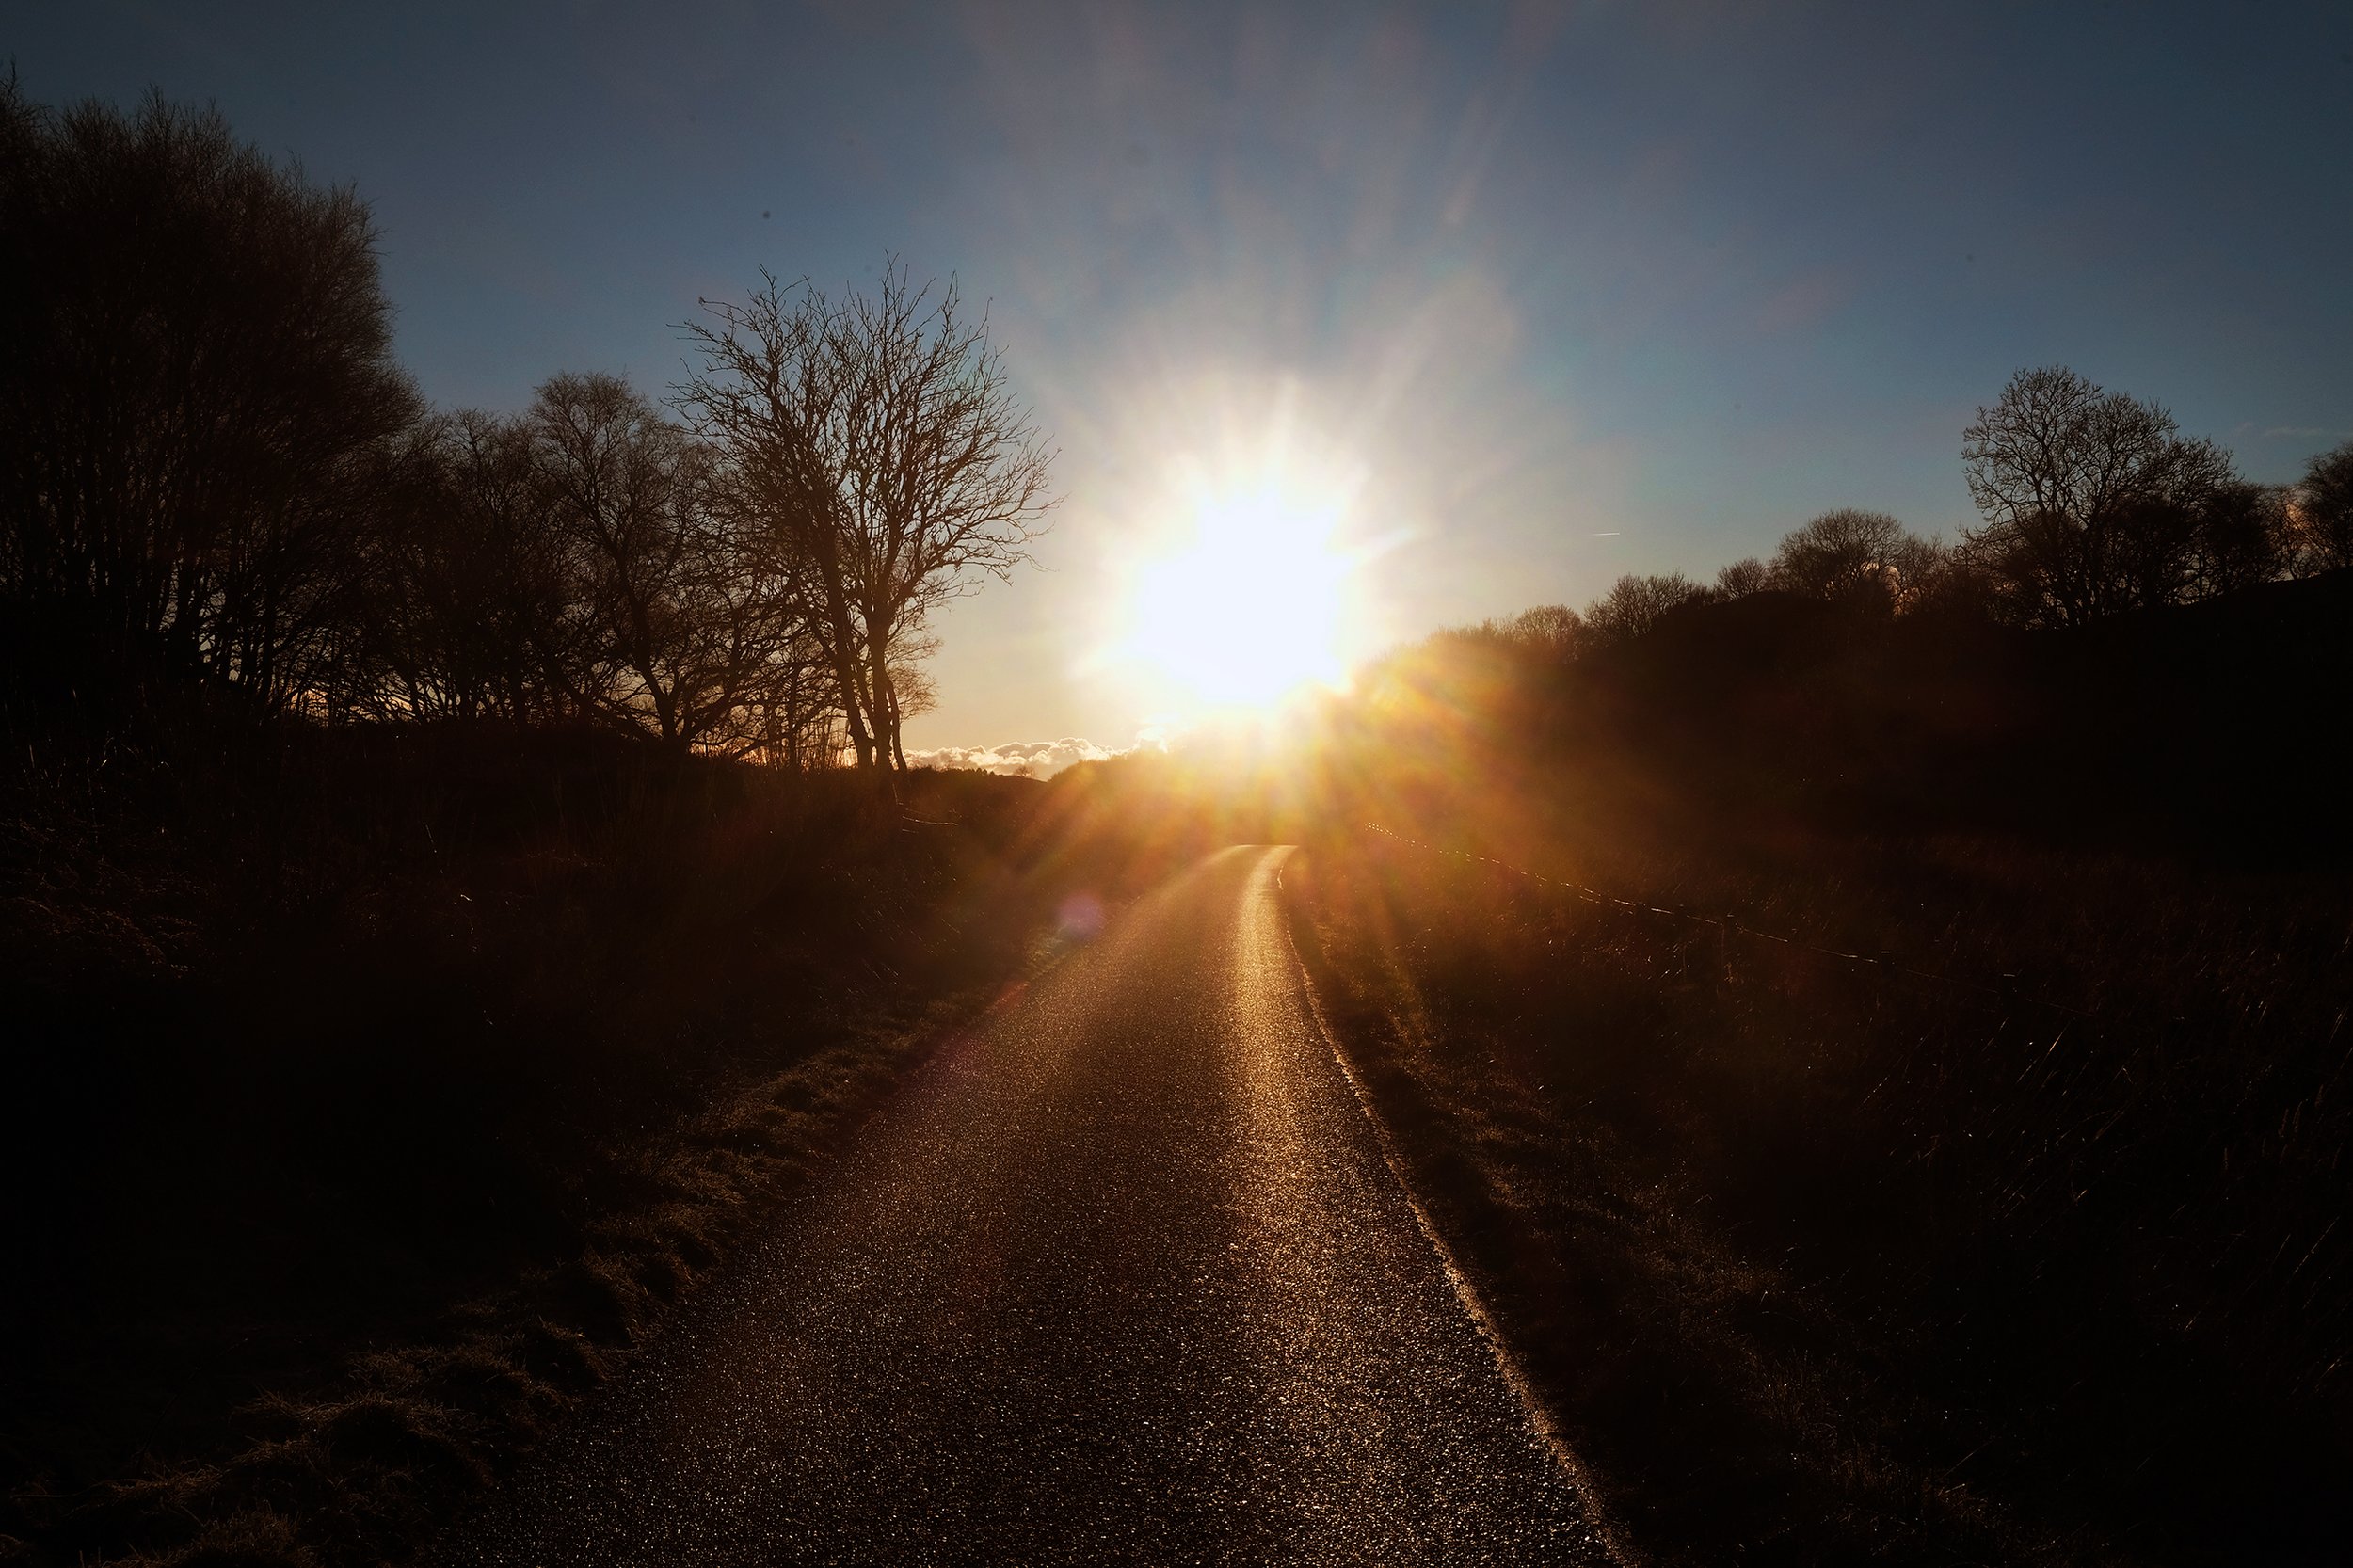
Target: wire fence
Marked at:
1885, 961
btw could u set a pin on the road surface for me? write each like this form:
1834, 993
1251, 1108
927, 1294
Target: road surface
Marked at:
1122, 1276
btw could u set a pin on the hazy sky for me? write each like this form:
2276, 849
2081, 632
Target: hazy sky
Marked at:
1570, 290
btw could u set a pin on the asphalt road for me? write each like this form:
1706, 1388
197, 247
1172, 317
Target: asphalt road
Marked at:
1120, 1278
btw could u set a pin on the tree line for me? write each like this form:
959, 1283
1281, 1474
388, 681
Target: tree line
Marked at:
216, 476
2093, 503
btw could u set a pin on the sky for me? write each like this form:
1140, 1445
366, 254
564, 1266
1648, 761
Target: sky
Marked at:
1539, 292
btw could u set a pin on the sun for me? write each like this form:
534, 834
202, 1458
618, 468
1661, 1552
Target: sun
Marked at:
1248, 608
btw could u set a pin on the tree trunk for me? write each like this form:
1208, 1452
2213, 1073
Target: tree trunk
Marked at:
853, 703
878, 634
841, 648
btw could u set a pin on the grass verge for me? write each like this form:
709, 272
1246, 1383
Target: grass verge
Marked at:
372, 1096
1814, 1263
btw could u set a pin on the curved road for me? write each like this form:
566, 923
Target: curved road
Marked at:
1120, 1277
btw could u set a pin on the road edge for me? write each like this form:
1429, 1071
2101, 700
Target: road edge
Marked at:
1534, 1407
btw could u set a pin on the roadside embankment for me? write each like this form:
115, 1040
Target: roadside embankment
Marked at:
373, 1096
1816, 1260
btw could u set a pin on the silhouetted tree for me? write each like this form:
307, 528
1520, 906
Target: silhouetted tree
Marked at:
877, 440
1552, 632
2094, 500
912, 694
2234, 540
1743, 578
1865, 558
469, 609
197, 398
1633, 605
681, 614
798, 709
2322, 517
1546, 634
1549, 633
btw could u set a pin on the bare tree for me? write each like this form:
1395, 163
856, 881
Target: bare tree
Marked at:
2091, 499
1553, 633
1634, 604
878, 439
468, 612
1743, 578
2320, 521
912, 694
685, 615
2234, 540
1547, 634
1857, 557
799, 710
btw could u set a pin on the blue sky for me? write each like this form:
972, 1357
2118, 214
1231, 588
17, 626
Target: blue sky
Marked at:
1571, 290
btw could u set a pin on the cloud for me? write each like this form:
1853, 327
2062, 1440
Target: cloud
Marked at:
1026, 758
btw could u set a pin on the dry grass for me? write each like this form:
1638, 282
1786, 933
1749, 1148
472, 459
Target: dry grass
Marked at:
374, 1095
1824, 1262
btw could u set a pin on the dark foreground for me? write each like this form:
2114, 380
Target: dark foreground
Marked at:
1120, 1277
367, 1095
1886, 1268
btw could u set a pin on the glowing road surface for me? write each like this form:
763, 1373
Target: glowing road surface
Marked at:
1121, 1276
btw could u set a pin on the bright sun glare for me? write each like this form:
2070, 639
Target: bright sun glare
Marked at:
1249, 609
